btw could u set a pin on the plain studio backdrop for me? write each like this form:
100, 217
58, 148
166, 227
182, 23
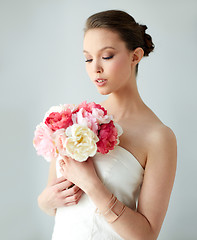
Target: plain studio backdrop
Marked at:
42, 64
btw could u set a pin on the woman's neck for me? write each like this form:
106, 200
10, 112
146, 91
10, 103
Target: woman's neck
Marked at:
124, 102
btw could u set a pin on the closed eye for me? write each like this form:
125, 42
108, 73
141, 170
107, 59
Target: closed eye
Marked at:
106, 58
89, 60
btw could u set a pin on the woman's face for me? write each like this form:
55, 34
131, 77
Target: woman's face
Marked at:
108, 61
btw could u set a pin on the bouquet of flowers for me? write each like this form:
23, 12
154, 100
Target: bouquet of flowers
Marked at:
76, 131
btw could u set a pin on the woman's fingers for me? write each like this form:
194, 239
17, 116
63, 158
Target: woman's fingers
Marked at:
74, 199
71, 191
57, 180
61, 163
71, 203
64, 185
61, 183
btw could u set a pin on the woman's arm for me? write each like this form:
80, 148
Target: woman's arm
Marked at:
58, 192
155, 193
145, 224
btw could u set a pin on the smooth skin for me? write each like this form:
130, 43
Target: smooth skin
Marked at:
151, 142
59, 192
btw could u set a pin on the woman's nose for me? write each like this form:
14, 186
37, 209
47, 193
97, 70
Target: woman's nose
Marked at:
99, 71
98, 68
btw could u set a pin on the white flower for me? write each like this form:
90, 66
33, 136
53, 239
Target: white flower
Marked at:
81, 142
119, 131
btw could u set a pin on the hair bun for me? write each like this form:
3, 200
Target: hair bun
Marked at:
144, 27
148, 44
132, 33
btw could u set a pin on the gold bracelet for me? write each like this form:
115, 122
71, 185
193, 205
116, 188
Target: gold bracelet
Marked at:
112, 216
117, 216
108, 213
106, 208
110, 209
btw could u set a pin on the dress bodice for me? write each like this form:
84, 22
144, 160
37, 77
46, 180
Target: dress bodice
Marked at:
122, 174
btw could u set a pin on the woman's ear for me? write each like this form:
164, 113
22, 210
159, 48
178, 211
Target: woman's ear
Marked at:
137, 55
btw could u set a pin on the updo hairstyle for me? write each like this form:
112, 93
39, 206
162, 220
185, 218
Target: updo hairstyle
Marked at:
132, 33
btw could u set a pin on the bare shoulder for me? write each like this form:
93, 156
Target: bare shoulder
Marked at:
161, 134
161, 142
158, 135
162, 147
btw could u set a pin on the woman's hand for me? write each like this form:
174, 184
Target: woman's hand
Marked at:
82, 174
59, 193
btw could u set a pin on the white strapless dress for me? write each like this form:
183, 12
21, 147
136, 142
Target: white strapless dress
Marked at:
122, 174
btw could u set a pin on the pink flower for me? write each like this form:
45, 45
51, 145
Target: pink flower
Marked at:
60, 108
76, 131
108, 136
90, 115
57, 120
90, 106
84, 118
60, 138
44, 143
100, 116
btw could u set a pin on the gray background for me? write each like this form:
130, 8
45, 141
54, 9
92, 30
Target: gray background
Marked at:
41, 64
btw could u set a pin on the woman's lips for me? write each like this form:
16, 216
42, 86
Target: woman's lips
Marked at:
100, 82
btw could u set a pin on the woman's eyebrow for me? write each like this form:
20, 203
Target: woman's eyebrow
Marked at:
101, 49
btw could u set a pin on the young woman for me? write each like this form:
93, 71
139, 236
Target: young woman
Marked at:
125, 193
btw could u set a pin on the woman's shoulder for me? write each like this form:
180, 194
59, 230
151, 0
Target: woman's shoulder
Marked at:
158, 131
161, 141
160, 134
156, 137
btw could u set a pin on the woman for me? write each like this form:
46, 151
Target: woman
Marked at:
97, 199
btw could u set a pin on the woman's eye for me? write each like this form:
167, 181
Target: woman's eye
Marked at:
106, 58
88, 60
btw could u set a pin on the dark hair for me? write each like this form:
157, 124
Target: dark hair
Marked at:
132, 33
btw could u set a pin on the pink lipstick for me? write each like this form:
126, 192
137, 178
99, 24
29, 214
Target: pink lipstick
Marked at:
100, 82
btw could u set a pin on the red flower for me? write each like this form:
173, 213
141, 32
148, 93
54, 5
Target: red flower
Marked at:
60, 120
89, 106
107, 137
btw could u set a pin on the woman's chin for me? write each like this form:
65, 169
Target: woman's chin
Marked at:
103, 92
